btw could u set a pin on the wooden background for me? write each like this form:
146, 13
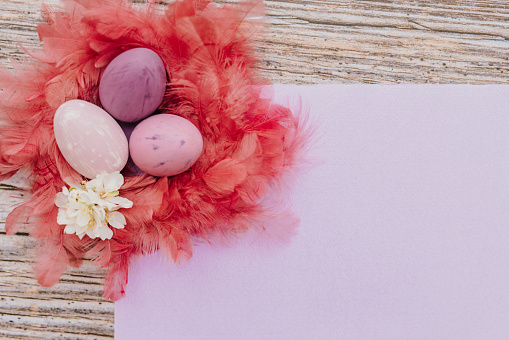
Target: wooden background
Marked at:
310, 41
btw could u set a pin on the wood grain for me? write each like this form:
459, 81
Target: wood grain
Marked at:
309, 41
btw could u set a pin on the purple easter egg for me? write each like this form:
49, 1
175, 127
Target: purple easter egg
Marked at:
130, 169
165, 145
132, 86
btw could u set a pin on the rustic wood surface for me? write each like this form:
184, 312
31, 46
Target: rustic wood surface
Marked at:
310, 41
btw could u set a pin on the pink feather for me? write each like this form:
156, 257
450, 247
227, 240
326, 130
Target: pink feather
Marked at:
52, 261
225, 176
17, 219
116, 279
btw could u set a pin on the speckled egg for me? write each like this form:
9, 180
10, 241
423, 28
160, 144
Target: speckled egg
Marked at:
165, 145
90, 140
132, 86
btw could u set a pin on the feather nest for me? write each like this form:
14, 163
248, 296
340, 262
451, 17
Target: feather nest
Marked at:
251, 146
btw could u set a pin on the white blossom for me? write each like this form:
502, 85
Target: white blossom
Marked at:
89, 208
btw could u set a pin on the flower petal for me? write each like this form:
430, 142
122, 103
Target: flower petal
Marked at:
113, 181
99, 214
91, 233
83, 218
89, 197
116, 219
81, 229
106, 233
70, 229
120, 202
61, 199
93, 184
63, 218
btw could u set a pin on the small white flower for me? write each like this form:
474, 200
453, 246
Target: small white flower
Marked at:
90, 208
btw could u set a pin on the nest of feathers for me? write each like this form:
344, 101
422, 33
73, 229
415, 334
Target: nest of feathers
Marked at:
251, 145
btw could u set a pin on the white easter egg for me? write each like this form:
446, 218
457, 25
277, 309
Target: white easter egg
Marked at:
90, 140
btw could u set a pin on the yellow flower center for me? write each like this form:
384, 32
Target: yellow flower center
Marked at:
88, 211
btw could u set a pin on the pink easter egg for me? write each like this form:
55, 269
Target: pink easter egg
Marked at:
133, 84
90, 140
165, 145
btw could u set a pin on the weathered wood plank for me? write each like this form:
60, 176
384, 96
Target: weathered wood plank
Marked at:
310, 41
356, 41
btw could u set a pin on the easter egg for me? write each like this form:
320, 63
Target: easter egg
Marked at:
90, 140
165, 145
130, 169
133, 84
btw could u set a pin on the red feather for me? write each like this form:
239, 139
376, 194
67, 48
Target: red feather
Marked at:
104, 252
116, 279
52, 261
17, 219
225, 176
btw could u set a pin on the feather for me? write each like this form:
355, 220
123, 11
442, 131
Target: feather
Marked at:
247, 147
75, 248
60, 89
7, 171
52, 261
23, 83
175, 244
148, 201
116, 279
252, 189
225, 175
104, 252
17, 218
101, 252
45, 225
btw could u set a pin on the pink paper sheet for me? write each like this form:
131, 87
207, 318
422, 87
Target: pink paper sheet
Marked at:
404, 233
